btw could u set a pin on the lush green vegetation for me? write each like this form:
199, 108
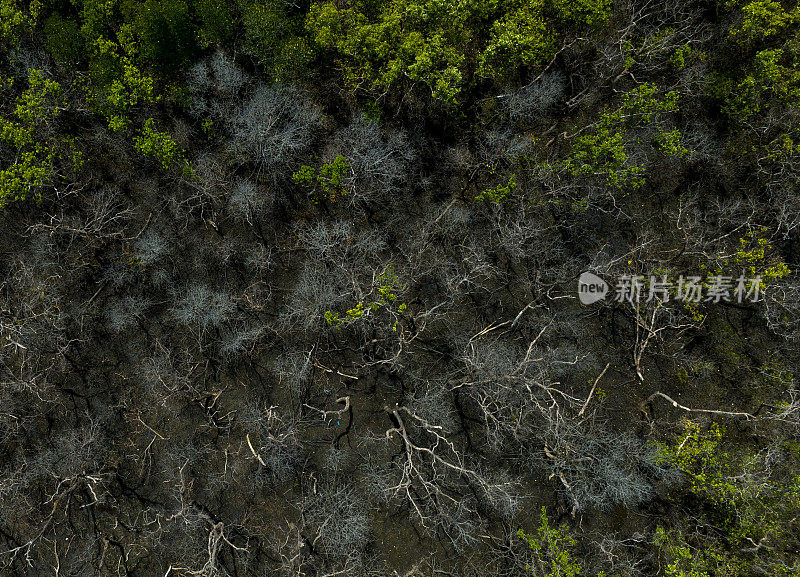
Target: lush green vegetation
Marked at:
446, 45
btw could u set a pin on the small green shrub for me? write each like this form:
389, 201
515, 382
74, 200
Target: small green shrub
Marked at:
551, 547
158, 145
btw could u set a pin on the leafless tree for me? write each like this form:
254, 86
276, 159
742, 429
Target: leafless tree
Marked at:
272, 126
